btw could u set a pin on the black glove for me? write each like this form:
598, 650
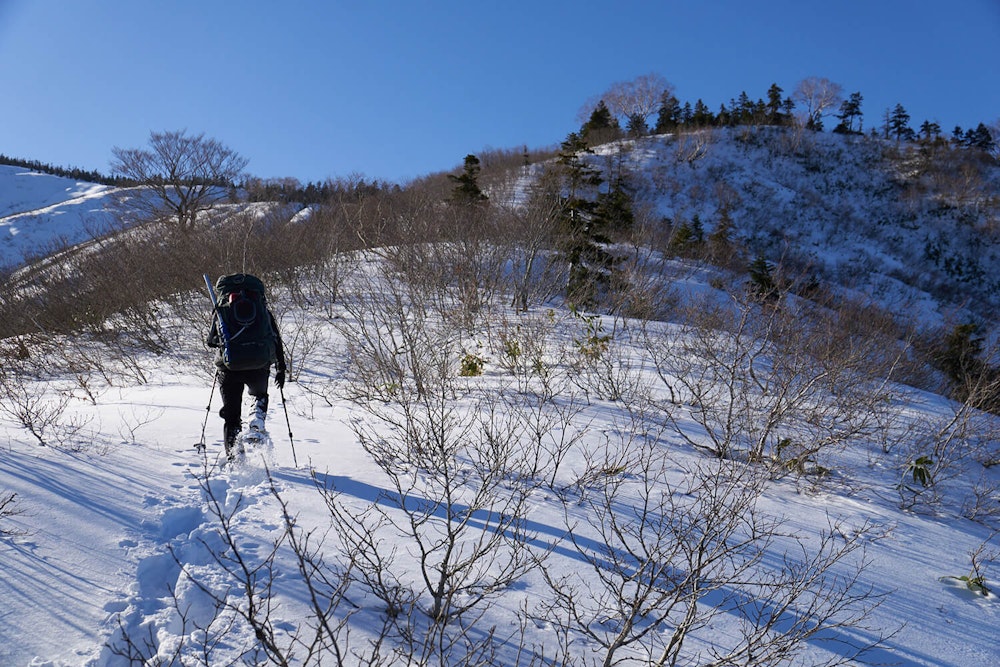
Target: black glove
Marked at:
279, 379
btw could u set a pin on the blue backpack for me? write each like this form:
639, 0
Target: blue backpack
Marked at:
249, 342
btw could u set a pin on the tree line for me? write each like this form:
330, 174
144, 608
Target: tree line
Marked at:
288, 189
281, 190
76, 173
648, 104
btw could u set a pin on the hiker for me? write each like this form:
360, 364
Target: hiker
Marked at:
248, 341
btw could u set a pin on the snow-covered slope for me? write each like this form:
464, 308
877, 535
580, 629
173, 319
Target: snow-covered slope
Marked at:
40, 212
119, 549
119, 538
917, 234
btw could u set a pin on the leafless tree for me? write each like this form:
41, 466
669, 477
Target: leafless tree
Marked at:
179, 176
639, 98
819, 95
692, 146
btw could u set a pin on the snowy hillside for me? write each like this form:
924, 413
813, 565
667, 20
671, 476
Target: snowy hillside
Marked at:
40, 212
456, 485
917, 231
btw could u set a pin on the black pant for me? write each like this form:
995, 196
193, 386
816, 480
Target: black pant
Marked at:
231, 385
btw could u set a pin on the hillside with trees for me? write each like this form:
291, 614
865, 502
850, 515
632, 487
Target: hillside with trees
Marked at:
691, 386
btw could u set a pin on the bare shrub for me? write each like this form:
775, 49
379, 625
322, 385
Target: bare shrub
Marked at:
937, 451
315, 278
457, 516
603, 364
455, 507
302, 341
38, 405
449, 458
526, 346
550, 431
526, 223
981, 504
641, 286
659, 572
9, 508
623, 453
392, 347
764, 381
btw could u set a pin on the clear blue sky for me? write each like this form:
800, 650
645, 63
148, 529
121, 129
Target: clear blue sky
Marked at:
395, 89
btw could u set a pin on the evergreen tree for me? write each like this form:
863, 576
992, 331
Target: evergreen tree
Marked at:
681, 238
762, 283
669, 115
602, 126
777, 108
686, 114
773, 106
702, 115
720, 244
697, 229
688, 236
466, 190
724, 118
789, 107
850, 111
742, 109
899, 124
960, 355
580, 230
980, 139
637, 126
929, 131
613, 213
957, 136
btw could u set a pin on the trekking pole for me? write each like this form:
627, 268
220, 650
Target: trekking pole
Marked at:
291, 440
208, 410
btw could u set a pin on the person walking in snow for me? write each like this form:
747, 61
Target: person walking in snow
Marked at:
245, 333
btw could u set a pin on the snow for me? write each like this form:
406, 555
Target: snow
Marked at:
117, 531
40, 211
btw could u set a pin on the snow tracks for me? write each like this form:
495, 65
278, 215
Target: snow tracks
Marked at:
189, 600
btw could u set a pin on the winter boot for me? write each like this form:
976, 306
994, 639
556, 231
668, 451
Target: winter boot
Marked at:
259, 417
231, 431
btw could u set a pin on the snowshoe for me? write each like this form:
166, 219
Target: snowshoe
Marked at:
255, 433
236, 452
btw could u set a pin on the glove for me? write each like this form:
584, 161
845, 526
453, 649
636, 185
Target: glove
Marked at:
279, 379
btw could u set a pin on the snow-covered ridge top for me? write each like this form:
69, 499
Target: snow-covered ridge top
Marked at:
23, 190
39, 212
